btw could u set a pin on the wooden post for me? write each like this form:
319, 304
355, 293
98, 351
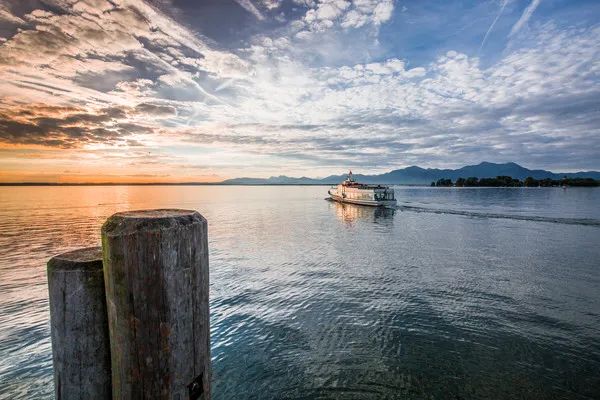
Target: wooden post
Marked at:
156, 274
79, 325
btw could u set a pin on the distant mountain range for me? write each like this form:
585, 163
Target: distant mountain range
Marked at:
421, 176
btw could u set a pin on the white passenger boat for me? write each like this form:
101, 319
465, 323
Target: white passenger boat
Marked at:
353, 192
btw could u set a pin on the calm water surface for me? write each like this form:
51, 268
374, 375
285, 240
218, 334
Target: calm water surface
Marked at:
460, 293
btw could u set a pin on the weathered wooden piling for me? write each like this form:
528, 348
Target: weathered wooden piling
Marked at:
156, 275
79, 325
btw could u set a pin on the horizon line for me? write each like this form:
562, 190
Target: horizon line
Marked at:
192, 183
226, 182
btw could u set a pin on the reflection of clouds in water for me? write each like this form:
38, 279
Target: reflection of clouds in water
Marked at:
350, 213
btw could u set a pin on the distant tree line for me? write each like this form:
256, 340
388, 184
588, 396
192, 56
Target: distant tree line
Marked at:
507, 181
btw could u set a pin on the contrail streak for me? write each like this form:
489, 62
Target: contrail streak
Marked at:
248, 6
524, 17
493, 23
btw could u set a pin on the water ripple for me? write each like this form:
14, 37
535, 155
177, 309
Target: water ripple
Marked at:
317, 300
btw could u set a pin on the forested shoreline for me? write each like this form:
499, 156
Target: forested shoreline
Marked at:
507, 181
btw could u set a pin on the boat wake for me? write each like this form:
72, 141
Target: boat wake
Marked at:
556, 220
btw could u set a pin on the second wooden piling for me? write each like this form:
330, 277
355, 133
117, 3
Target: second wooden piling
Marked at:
156, 273
79, 326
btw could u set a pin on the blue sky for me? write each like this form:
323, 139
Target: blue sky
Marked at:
204, 90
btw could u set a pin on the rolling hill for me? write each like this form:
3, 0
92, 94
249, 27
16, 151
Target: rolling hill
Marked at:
420, 176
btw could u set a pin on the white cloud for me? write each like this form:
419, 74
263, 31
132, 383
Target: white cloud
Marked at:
326, 14
271, 4
382, 12
451, 108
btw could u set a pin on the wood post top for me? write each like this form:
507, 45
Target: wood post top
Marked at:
89, 258
158, 213
128, 222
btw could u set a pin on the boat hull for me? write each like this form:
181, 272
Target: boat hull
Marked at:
372, 203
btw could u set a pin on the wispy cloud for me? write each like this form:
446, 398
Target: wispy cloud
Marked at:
7, 16
527, 13
121, 77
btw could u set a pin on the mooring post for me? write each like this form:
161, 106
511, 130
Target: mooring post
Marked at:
156, 275
79, 325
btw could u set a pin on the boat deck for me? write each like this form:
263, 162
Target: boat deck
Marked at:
372, 203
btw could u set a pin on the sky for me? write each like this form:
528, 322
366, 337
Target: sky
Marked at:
188, 90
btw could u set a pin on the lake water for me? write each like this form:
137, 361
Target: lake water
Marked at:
460, 293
